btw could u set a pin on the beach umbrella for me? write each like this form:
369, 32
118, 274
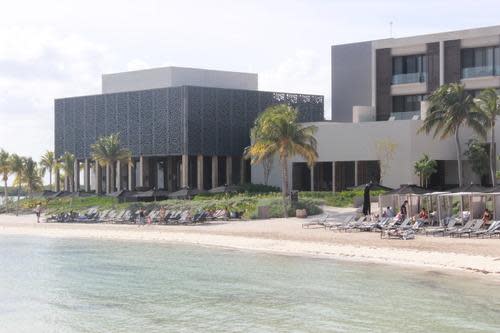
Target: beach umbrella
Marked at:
373, 187
185, 193
471, 188
407, 191
226, 189
150, 195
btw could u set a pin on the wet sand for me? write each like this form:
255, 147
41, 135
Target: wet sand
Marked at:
286, 236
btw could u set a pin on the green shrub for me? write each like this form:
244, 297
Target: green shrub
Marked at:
338, 199
276, 207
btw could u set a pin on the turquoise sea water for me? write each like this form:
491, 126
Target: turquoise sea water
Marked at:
54, 285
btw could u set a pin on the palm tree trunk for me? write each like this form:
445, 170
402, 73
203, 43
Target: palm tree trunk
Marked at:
459, 158
17, 202
113, 177
50, 179
5, 194
493, 156
284, 187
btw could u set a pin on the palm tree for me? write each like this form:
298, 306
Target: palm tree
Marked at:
31, 176
17, 167
5, 170
107, 151
277, 132
450, 108
425, 167
67, 162
488, 102
47, 163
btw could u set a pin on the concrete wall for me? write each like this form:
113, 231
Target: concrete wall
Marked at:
166, 77
351, 79
356, 142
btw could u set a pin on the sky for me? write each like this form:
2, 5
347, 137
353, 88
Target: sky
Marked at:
52, 49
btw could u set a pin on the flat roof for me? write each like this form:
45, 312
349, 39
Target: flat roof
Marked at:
432, 37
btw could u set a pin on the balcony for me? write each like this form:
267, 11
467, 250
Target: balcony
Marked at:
471, 72
404, 115
409, 78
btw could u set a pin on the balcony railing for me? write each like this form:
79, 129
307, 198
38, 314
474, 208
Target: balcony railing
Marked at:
405, 115
471, 72
409, 78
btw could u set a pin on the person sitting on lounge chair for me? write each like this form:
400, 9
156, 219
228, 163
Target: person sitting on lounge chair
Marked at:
163, 213
487, 217
403, 211
389, 212
423, 215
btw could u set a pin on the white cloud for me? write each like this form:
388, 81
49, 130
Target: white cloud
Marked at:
305, 71
38, 66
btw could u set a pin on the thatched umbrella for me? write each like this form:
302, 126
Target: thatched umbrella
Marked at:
226, 189
185, 193
406, 191
373, 187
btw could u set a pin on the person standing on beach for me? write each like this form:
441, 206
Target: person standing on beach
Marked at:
366, 200
403, 211
142, 216
38, 212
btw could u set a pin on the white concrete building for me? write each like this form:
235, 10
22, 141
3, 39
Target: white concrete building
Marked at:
379, 90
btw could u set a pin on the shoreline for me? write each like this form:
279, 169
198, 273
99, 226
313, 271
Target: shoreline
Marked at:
265, 237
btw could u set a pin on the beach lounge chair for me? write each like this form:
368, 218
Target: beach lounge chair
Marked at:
320, 221
393, 228
492, 229
467, 231
369, 225
441, 230
340, 225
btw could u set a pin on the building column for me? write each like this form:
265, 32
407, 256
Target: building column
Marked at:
86, 175
118, 175
229, 170
184, 171
242, 171
98, 178
333, 177
356, 173
141, 171
215, 171
58, 180
441, 63
76, 176
131, 176
170, 174
312, 178
108, 178
199, 172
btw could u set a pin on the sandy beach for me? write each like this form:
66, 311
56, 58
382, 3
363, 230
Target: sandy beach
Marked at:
481, 257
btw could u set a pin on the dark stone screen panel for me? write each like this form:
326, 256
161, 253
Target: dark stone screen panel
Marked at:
209, 122
171, 121
59, 126
227, 115
79, 134
432, 67
452, 69
383, 78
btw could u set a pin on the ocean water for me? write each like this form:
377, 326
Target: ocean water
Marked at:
63, 285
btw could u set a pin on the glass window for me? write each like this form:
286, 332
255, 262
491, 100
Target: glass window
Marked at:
409, 69
496, 60
409, 103
478, 62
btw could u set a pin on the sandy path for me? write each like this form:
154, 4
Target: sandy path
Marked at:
288, 237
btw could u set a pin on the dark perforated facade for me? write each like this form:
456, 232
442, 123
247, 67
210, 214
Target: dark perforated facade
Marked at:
171, 121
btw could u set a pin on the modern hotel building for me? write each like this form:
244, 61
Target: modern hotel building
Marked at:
378, 95
188, 127
185, 127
